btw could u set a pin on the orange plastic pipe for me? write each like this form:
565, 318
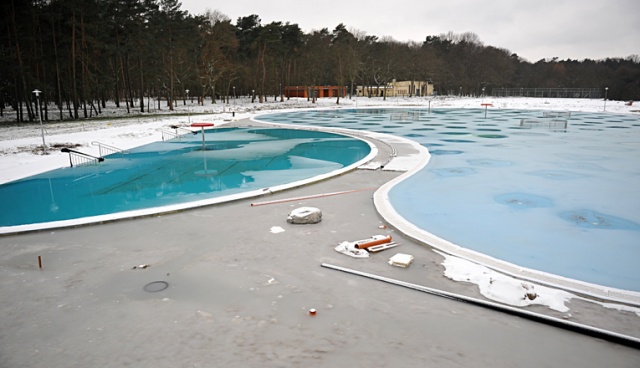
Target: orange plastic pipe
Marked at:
373, 242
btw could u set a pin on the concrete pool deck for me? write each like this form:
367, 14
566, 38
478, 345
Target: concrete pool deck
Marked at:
239, 294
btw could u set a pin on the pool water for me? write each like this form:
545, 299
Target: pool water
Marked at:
553, 197
235, 160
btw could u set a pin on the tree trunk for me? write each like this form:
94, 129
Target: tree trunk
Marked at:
128, 80
170, 94
124, 80
73, 67
85, 68
55, 53
69, 108
141, 85
21, 71
264, 73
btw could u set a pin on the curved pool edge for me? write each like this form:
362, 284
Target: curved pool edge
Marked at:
386, 210
415, 163
158, 211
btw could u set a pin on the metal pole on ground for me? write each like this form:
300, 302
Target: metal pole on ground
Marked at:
630, 341
44, 145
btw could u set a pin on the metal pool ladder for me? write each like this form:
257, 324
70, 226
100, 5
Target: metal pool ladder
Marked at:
106, 149
77, 158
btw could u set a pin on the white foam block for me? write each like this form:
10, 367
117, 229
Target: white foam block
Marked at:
401, 260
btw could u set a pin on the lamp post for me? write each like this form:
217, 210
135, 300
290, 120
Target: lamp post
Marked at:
482, 92
44, 145
460, 93
253, 95
234, 95
606, 89
188, 113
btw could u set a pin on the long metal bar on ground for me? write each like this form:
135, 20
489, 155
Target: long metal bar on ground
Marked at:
310, 197
569, 325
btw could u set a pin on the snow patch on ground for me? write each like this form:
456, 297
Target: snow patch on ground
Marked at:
502, 288
276, 230
511, 291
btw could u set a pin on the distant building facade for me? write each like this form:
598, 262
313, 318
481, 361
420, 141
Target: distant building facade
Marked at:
319, 91
397, 89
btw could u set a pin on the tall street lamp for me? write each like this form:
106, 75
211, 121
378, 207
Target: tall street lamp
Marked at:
606, 89
44, 145
188, 112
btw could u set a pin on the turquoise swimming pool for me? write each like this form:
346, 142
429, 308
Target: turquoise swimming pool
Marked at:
558, 194
234, 161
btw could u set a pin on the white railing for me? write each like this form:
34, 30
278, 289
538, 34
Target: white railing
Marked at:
106, 149
551, 124
556, 114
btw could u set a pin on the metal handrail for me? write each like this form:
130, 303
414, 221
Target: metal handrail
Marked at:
77, 158
171, 135
106, 149
176, 135
551, 123
185, 130
556, 114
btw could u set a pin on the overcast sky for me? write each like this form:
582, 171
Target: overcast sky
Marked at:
533, 29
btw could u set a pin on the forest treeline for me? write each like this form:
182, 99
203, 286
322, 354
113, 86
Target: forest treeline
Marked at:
84, 53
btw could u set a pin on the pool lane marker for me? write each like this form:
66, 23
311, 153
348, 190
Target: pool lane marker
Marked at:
611, 336
310, 197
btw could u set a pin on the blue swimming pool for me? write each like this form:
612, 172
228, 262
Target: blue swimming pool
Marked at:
559, 195
235, 160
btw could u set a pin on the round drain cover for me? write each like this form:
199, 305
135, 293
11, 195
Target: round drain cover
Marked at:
155, 286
